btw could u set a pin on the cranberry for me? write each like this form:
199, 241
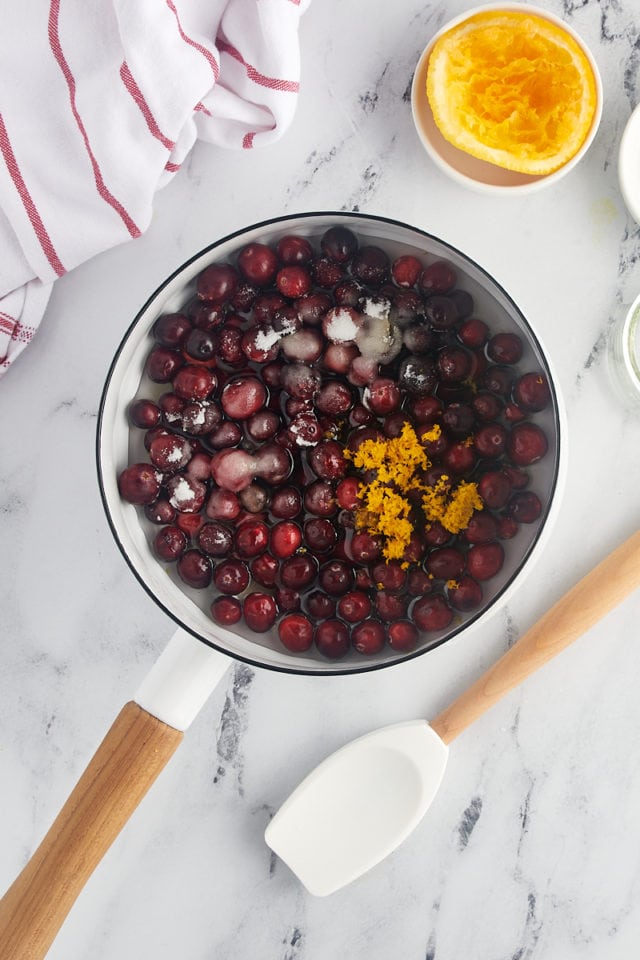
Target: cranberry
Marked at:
298, 571
286, 503
185, 494
300, 381
507, 528
365, 548
303, 345
484, 560
231, 577
294, 249
144, 414
332, 638
224, 436
263, 425
490, 440
326, 272
312, 307
445, 563
418, 582
264, 569
287, 600
459, 458
431, 613
217, 282
368, 638
230, 345
438, 277
339, 244
418, 338
406, 270
243, 397
293, 281
226, 611
473, 333
354, 606
169, 543
194, 382
527, 444
454, 364
505, 348
200, 417
336, 577
334, 398
390, 606
486, 406
222, 505
160, 511
139, 484
320, 534
319, 605
163, 364
481, 528
190, 523
215, 539
201, 346
370, 265
258, 264
525, 506
465, 595
171, 329
403, 636
497, 380
494, 488
338, 357
195, 569
251, 538
259, 611
170, 453
319, 499
296, 632
531, 392
285, 538
458, 418
206, 315
327, 460
382, 396
417, 375
389, 575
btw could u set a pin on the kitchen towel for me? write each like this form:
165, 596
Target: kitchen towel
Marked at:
100, 103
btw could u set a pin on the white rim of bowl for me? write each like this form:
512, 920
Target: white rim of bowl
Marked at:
537, 182
628, 159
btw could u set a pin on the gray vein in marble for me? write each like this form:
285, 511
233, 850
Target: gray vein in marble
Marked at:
233, 724
467, 824
294, 944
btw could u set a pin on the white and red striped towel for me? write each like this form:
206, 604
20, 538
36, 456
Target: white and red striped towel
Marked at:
101, 102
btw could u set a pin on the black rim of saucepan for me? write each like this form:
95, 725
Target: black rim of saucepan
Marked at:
330, 669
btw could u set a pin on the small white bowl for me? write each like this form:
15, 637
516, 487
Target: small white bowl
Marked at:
462, 167
629, 165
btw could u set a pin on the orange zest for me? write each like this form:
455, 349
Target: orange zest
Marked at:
514, 89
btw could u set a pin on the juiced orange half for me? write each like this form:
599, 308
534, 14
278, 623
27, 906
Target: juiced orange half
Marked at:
512, 88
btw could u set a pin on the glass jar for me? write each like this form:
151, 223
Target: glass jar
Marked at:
624, 354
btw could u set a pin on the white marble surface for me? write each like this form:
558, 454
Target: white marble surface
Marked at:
532, 848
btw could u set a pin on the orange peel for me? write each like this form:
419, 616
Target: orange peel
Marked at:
514, 89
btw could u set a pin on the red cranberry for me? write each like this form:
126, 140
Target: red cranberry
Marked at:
466, 595
194, 382
332, 638
406, 270
531, 392
201, 346
417, 375
222, 505
171, 329
431, 613
347, 493
286, 503
446, 563
505, 348
259, 611
205, 315
481, 528
438, 277
258, 264
365, 548
195, 569
190, 523
320, 534
293, 281
160, 511
336, 577
163, 364
231, 577
497, 380
285, 538
327, 460
484, 560
494, 488
454, 364
287, 600
490, 440
525, 506
459, 458
217, 282
389, 575
300, 381
338, 357
403, 636
319, 499
298, 571
145, 414
319, 605
382, 395
339, 244
230, 345
473, 333
334, 398
527, 444
185, 494
170, 453
418, 582
226, 611
264, 569
139, 484
368, 638
294, 249
390, 606
169, 543
251, 538
354, 606
215, 539
370, 265
242, 398
296, 632
486, 406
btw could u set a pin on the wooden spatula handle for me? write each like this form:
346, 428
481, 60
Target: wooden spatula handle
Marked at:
586, 603
127, 762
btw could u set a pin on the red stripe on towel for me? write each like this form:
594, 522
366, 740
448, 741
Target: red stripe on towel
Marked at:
138, 97
107, 196
27, 201
273, 83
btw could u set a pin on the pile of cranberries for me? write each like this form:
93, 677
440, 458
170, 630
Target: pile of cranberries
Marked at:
281, 361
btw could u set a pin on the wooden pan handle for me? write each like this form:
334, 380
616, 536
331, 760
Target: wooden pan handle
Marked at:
586, 603
127, 762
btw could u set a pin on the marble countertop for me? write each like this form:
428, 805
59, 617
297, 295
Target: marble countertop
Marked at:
531, 848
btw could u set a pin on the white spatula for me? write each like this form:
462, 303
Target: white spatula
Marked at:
358, 805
